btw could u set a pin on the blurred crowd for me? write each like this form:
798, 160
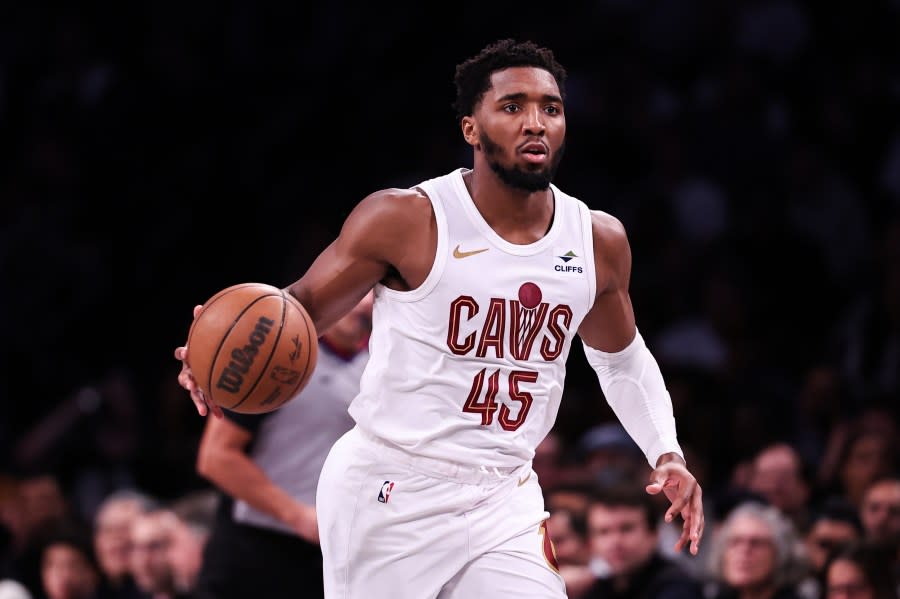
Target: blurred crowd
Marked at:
152, 155
778, 531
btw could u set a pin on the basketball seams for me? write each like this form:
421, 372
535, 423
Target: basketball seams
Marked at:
224, 338
309, 344
212, 301
301, 381
215, 358
265, 367
221, 325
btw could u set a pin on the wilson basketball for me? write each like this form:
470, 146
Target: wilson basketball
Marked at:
252, 348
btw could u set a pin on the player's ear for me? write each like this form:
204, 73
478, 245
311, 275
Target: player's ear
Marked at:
469, 130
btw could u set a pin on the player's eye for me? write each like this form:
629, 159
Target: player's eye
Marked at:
511, 108
553, 109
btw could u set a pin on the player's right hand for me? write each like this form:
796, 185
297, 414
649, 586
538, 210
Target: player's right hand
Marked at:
186, 380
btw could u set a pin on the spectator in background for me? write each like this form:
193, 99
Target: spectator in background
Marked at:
547, 462
608, 454
573, 497
12, 525
755, 555
861, 571
89, 440
880, 511
778, 474
196, 514
185, 555
38, 506
818, 410
112, 540
567, 528
69, 569
833, 526
152, 535
43, 501
865, 452
265, 537
622, 527
568, 531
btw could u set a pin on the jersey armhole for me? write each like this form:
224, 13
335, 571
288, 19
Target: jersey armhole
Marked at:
437, 266
587, 228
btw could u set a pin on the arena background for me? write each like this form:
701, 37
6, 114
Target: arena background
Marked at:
152, 154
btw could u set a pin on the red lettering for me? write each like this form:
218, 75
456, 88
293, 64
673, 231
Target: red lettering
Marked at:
552, 345
523, 397
456, 308
486, 408
493, 329
523, 328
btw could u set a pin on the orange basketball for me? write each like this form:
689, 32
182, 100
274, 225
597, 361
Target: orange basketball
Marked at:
252, 348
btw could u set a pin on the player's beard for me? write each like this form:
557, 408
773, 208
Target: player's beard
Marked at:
516, 177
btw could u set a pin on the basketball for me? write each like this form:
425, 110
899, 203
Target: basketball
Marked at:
252, 348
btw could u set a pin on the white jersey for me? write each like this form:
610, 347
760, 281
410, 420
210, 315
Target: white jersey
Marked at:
469, 367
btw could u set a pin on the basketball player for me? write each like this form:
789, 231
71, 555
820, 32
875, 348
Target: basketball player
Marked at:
482, 278
265, 540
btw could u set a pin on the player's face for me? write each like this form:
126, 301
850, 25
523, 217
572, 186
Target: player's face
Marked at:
520, 127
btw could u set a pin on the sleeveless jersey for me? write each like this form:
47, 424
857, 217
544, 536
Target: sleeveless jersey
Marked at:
291, 443
469, 367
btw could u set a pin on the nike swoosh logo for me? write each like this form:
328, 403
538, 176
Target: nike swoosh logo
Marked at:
522, 481
459, 254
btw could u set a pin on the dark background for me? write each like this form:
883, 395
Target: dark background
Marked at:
151, 155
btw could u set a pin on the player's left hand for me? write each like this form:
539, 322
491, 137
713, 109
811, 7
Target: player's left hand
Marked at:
186, 380
672, 477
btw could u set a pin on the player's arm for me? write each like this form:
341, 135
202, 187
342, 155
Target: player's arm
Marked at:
385, 235
222, 459
390, 236
617, 352
631, 379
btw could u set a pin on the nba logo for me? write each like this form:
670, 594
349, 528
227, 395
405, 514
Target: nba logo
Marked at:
385, 492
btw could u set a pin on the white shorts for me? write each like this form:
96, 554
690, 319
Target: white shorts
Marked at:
398, 526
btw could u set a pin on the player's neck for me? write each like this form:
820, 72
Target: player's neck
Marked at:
519, 216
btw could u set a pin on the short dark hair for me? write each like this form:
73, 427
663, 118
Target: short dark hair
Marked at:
839, 509
473, 76
627, 493
874, 559
71, 532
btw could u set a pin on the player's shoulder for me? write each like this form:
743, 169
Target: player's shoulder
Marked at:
396, 205
608, 232
397, 195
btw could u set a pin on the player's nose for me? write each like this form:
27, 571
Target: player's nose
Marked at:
533, 123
